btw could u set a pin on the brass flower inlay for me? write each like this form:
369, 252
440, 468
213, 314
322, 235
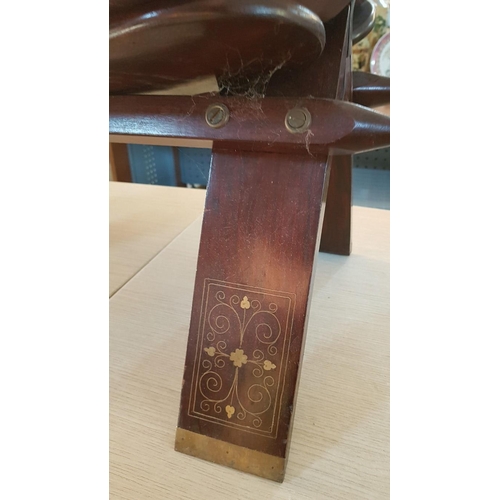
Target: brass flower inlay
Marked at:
268, 365
239, 377
230, 411
238, 357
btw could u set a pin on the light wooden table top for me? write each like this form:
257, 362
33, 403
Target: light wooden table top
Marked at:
340, 442
143, 219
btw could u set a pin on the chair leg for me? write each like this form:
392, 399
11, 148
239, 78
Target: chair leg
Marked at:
336, 233
252, 292
119, 162
329, 77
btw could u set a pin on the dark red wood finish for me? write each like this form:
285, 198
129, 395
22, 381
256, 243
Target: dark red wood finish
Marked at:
258, 124
258, 244
371, 90
363, 19
324, 76
265, 197
329, 77
324, 9
159, 44
119, 162
336, 233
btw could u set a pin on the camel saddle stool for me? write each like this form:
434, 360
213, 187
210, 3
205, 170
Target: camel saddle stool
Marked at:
287, 118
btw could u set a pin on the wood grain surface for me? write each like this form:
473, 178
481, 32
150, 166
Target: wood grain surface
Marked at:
253, 125
336, 234
143, 219
119, 163
340, 446
329, 77
249, 318
371, 90
157, 44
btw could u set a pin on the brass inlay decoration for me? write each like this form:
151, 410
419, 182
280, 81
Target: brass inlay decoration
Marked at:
242, 350
230, 455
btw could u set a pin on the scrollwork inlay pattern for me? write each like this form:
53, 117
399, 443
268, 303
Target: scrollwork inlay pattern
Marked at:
241, 355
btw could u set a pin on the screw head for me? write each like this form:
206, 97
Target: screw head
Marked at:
297, 120
217, 115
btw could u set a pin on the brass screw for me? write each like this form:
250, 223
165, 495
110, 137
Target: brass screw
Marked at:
217, 115
297, 120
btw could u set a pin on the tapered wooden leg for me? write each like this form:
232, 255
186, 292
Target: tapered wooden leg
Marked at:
329, 77
119, 162
252, 292
336, 233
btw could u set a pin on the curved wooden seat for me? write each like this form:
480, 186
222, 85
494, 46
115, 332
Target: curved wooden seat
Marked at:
158, 44
363, 20
324, 9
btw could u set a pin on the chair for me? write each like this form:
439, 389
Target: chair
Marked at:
284, 130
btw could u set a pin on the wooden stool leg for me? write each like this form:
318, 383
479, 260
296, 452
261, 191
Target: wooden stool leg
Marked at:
329, 77
119, 162
252, 292
336, 233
